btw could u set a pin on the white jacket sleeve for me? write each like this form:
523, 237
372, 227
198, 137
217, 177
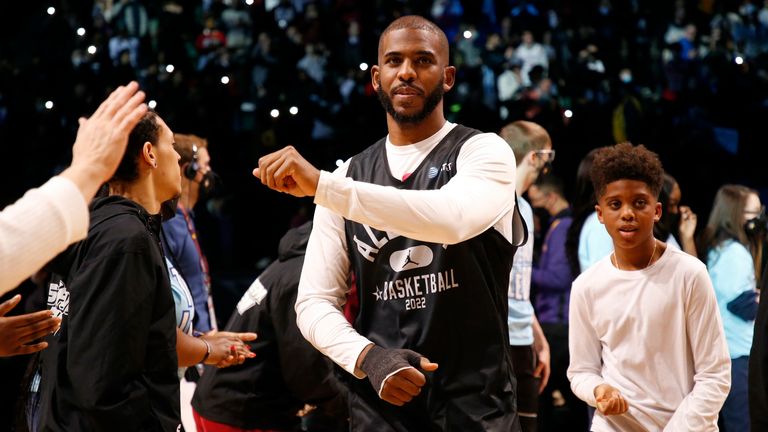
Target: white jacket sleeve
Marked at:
475, 199
712, 364
585, 369
37, 227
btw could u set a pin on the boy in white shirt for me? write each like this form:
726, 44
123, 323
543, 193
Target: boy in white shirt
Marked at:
646, 340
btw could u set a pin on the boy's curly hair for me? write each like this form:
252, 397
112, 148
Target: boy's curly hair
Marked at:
626, 162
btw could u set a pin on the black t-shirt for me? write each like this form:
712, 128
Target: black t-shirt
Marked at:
267, 391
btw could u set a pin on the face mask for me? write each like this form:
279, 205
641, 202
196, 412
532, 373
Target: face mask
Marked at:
546, 168
757, 227
209, 184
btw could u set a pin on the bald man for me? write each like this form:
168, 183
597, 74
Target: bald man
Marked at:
426, 220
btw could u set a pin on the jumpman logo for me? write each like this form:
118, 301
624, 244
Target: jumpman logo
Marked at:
408, 260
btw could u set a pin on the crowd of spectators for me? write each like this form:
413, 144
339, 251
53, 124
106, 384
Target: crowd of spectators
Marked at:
689, 79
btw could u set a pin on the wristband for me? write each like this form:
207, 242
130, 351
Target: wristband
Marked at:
381, 363
207, 350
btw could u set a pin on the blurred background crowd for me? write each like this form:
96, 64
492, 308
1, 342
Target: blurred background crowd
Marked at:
688, 79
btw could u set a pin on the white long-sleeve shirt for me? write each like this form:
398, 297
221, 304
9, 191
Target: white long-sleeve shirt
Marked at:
655, 335
39, 226
474, 200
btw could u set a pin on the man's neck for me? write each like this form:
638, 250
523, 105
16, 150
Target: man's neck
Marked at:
524, 178
189, 194
559, 205
410, 133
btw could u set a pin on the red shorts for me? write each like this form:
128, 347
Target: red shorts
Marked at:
205, 425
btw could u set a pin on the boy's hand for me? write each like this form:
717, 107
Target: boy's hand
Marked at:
609, 400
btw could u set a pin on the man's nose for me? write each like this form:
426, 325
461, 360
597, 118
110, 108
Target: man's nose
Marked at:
406, 72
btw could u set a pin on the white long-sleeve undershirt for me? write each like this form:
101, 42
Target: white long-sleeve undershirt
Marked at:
478, 197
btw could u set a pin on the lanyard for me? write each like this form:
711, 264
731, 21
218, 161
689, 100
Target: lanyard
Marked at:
203, 260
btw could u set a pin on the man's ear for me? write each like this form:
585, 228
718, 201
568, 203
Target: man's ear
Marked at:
375, 80
657, 212
530, 158
449, 78
148, 154
599, 211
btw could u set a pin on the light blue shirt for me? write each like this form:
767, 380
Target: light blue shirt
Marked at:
731, 269
594, 242
520, 316
182, 299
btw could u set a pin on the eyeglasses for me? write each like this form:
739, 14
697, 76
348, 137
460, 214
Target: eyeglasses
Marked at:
547, 155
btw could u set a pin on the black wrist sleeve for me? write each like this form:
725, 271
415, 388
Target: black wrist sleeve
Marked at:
380, 363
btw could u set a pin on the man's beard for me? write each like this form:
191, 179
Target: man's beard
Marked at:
430, 102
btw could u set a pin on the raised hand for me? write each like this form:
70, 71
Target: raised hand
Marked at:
687, 222
287, 171
102, 138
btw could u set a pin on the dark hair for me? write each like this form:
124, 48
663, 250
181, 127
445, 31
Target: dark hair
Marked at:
625, 161
416, 22
550, 183
583, 204
147, 130
726, 221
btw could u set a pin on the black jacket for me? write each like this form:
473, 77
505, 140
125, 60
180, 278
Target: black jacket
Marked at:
112, 365
266, 392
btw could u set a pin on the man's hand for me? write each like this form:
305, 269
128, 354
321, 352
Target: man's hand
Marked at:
393, 373
102, 138
287, 171
17, 331
609, 400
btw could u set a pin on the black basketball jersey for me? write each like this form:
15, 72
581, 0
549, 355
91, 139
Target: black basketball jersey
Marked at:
447, 302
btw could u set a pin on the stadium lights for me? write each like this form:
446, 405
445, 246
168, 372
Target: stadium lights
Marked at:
48, 105
274, 113
92, 49
467, 34
80, 31
152, 104
294, 110
739, 60
363, 66
568, 113
339, 162
225, 79
51, 10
